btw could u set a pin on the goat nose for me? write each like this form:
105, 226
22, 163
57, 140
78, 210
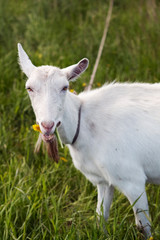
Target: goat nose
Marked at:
47, 125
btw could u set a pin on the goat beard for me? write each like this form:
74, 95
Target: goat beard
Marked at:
51, 146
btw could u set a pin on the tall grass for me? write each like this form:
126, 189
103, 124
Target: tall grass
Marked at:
38, 198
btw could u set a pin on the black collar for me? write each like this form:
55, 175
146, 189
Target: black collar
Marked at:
78, 125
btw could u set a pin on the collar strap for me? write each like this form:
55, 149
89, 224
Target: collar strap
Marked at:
78, 125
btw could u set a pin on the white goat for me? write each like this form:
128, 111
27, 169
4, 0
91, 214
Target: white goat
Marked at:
113, 133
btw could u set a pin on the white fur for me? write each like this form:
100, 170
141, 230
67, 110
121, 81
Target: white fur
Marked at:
119, 140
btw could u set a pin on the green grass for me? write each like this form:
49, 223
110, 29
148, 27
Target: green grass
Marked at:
38, 198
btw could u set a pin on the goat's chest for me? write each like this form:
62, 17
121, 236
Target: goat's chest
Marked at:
86, 163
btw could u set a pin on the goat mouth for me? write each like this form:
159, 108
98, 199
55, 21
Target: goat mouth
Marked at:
48, 138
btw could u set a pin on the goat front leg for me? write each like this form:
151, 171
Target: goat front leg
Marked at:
136, 194
105, 196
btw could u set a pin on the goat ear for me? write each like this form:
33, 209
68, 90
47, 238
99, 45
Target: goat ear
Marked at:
74, 71
24, 61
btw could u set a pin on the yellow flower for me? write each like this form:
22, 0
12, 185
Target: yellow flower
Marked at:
151, 238
39, 55
63, 159
84, 84
72, 90
36, 128
98, 84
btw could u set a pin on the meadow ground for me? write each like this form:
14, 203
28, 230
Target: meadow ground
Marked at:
38, 198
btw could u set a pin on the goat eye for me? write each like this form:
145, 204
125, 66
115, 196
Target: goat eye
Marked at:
65, 88
29, 89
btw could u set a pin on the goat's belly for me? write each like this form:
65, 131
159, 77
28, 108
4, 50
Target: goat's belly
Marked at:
87, 166
153, 176
152, 167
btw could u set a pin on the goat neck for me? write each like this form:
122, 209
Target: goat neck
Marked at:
68, 127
